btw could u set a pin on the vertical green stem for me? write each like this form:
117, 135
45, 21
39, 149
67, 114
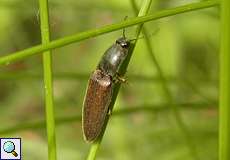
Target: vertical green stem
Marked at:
47, 67
95, 146
224, 127
169, 97
143, 11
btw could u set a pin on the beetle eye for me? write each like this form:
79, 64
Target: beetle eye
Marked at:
125, 45
122, 42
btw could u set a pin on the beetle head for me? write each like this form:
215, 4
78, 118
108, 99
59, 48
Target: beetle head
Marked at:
123, 42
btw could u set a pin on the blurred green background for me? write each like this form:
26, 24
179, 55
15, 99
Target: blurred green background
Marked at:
186, 47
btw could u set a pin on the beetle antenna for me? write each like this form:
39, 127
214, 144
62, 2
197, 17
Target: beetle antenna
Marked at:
134, 39
141, 37
123, 33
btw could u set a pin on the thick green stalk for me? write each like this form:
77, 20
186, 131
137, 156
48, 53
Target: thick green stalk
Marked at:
224, 127
168, 95
95, 146
106, 29
47, 68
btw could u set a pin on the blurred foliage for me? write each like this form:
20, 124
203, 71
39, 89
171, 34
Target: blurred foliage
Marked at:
186, 47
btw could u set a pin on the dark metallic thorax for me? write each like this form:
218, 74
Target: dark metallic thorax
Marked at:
114, 56
100, 89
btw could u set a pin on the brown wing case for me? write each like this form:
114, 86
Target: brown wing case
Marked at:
96, 104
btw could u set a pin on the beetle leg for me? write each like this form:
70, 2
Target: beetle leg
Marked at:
119, 78
109, 112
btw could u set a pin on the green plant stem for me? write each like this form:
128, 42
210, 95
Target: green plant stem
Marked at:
106, 29
4, 76
28, 76
95, 146
69, 76
126, 110
168, 95
224, 127
47, 68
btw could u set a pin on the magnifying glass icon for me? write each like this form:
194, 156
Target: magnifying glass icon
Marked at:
9, 147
